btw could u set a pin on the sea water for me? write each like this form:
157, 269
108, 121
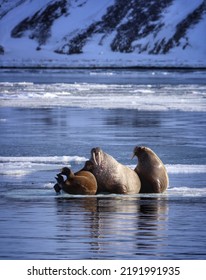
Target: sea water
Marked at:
53, 118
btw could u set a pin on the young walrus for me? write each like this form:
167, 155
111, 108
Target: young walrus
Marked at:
81, 182
151, 171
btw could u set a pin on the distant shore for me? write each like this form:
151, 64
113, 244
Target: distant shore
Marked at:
135, 67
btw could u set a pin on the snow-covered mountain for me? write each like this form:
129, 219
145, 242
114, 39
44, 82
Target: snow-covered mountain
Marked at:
77, 33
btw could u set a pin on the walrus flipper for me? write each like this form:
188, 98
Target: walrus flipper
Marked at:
57, 188
58, 185
158, 187
60, 179
119, 189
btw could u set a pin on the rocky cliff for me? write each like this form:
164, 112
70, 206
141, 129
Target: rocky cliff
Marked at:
147, 29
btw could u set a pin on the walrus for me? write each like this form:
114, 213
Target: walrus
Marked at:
112, 176
81, 182
151, 171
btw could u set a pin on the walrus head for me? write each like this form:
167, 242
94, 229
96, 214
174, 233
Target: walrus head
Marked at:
88, 165
97, 155
141, 152
67, 172
147, 157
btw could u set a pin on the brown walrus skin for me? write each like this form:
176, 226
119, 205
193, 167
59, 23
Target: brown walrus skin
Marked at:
82, 182
112, 176
151, 171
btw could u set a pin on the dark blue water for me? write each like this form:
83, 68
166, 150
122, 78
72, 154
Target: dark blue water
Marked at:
51, 119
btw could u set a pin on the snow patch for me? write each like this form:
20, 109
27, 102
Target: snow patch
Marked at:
97, 51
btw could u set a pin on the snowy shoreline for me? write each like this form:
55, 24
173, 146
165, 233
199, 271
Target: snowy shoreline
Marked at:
111, 35
137, 67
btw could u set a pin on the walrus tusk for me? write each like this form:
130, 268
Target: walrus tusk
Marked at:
133, 155
94, 158
100, 158
97, 158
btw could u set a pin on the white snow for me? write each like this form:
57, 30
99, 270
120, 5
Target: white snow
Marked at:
79, 16
21, 166
91, 95
22, 51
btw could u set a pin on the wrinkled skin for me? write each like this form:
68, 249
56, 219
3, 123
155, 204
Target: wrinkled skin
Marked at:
112, 176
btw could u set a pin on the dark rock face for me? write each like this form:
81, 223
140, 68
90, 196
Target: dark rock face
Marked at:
40, 23
109, 22
181, 30
142, 21
128, 23
139, 17
133, 20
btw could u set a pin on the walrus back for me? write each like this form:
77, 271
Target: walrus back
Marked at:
131, 180
151, 171
115, 177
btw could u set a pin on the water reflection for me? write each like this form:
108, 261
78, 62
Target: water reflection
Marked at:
132, 118
112, 227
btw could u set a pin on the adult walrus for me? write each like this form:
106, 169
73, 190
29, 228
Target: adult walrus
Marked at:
111, 175
151, 171
81, 182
